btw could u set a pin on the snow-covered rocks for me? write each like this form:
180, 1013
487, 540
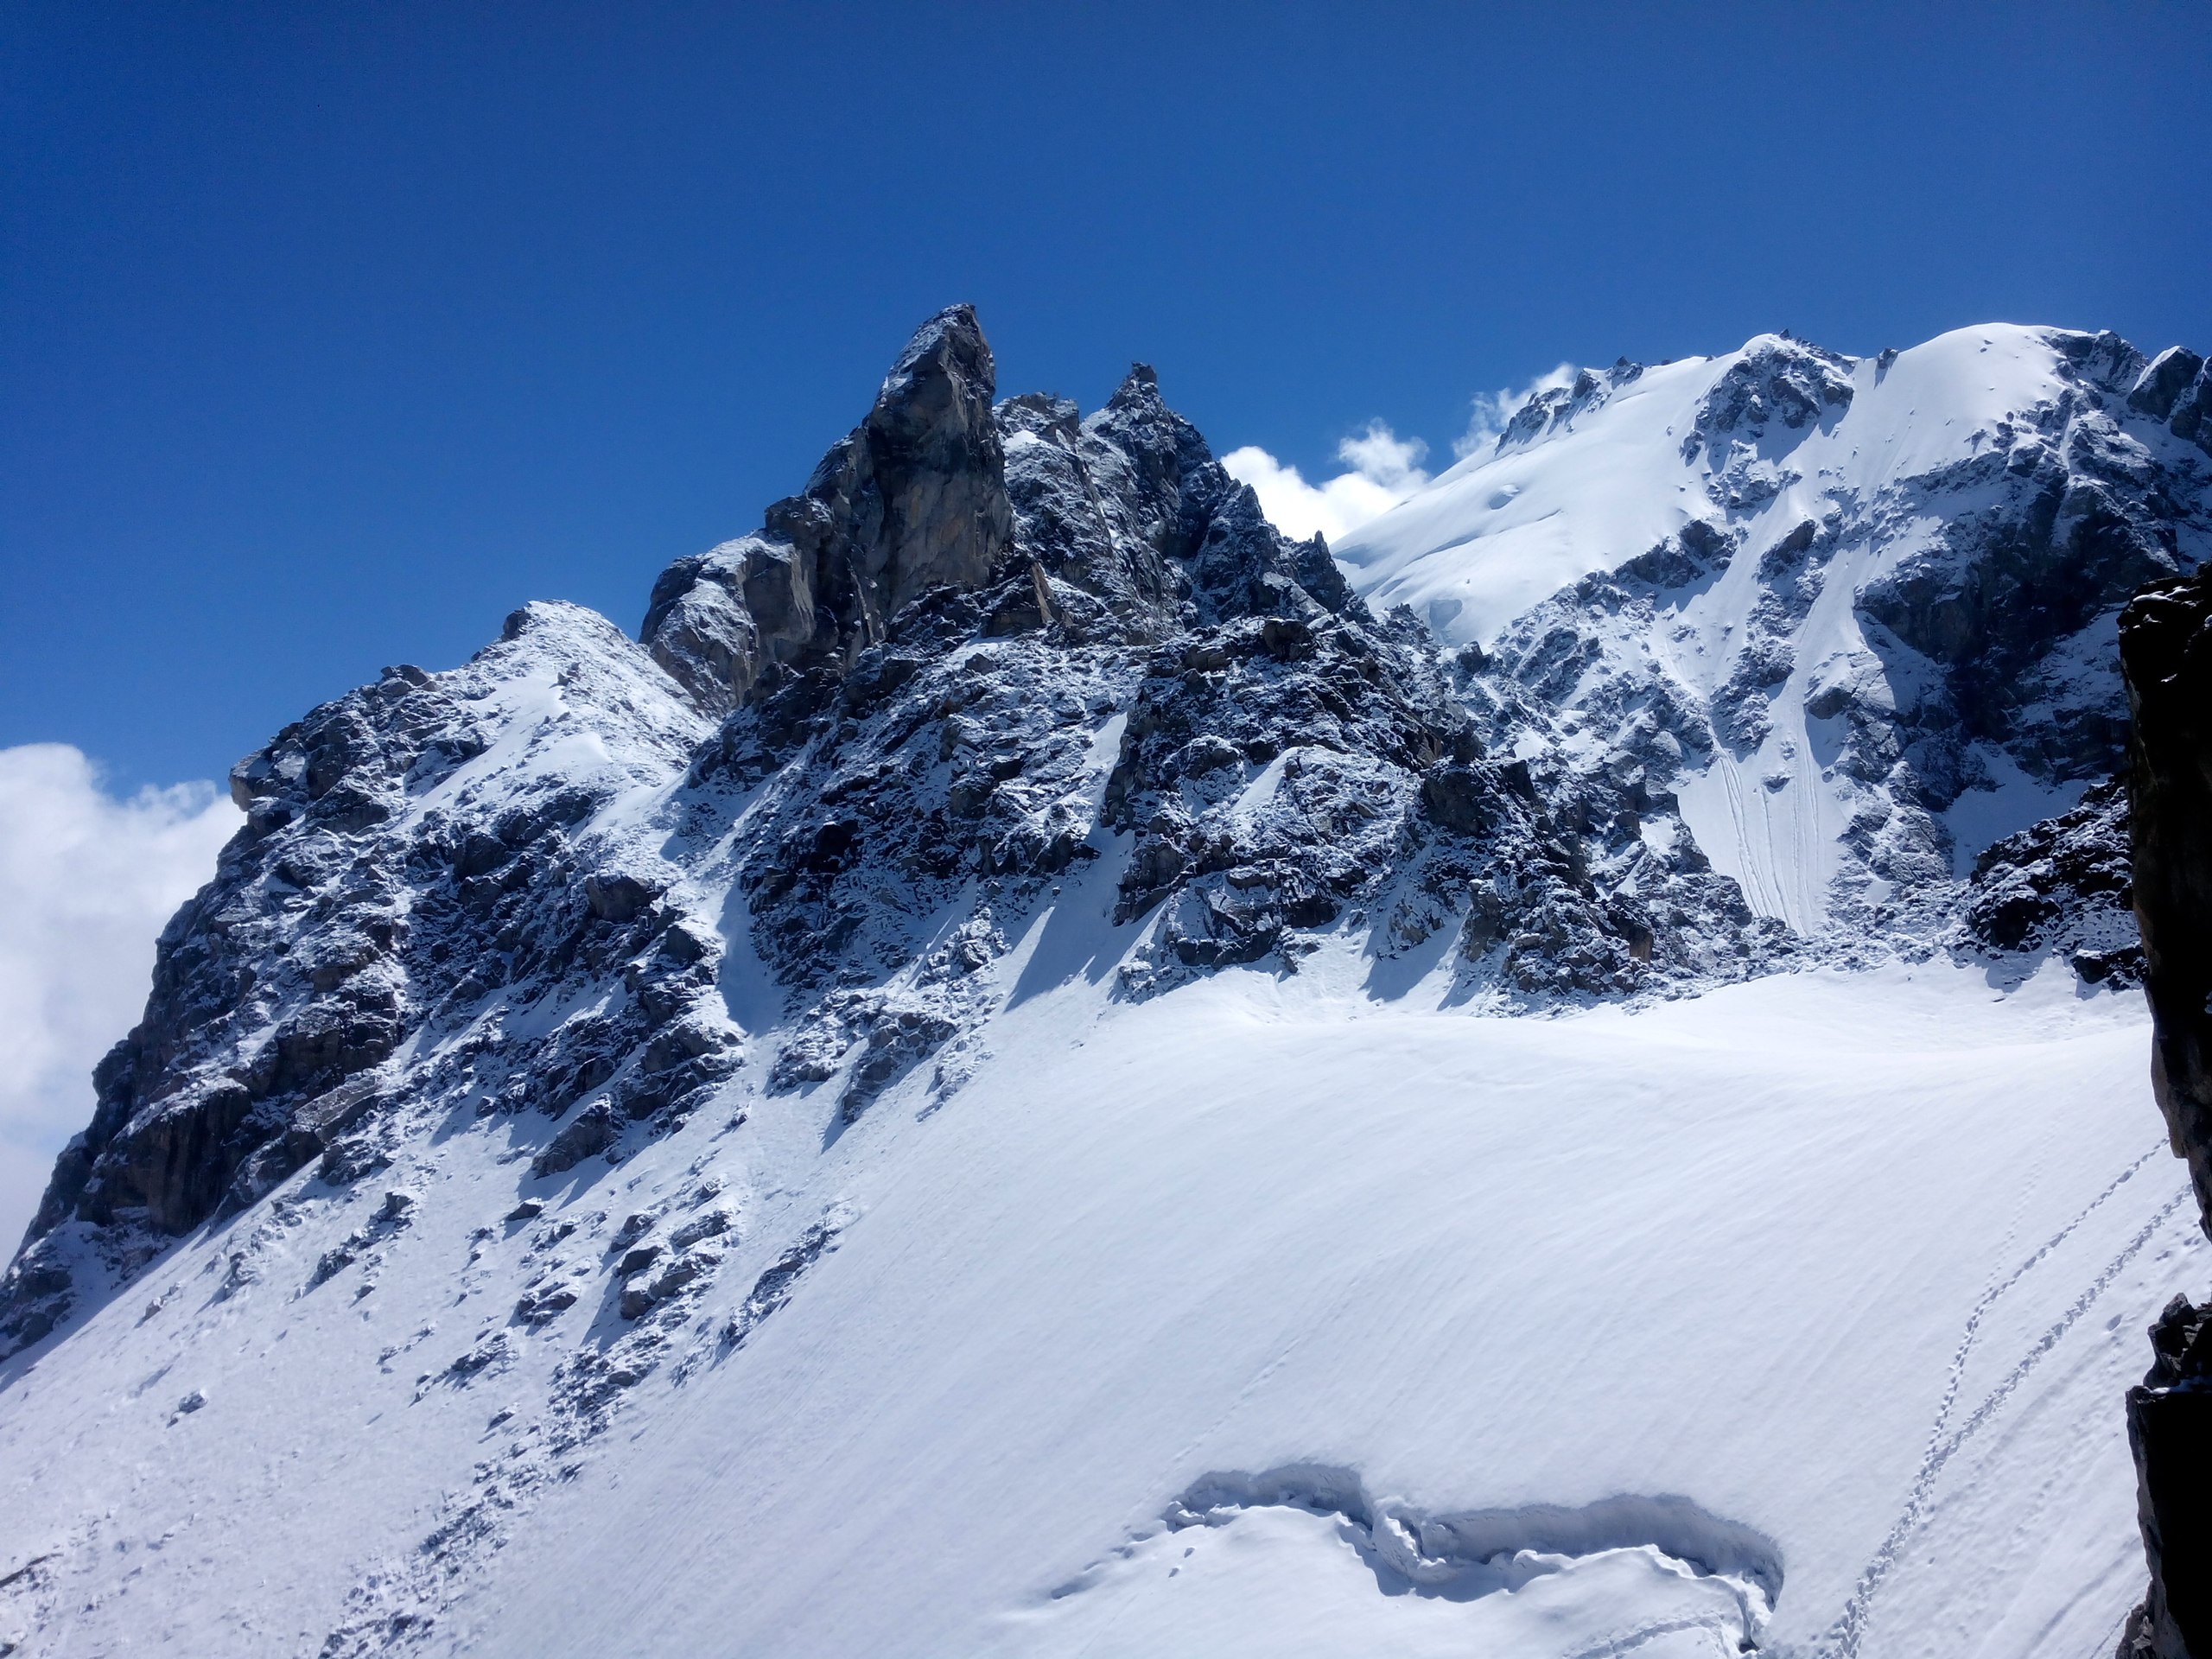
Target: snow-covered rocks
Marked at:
424, 861
2061, 887
1869, 602
1000, 1015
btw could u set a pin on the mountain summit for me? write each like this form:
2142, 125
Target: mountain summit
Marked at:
1038, 1067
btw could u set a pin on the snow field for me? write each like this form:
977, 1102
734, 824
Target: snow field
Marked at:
1796, 1313
1858, 1264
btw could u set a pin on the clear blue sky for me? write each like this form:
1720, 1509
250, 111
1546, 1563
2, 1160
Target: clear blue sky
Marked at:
329, 333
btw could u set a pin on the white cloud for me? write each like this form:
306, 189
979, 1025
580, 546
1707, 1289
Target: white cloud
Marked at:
1385, 470
87, 882
1492, 409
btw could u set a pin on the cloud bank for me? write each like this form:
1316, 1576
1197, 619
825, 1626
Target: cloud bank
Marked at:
87, 882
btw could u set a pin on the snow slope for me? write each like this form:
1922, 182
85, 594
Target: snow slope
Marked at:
1867, 1300
1825, 1284
1866, 519
1507, 528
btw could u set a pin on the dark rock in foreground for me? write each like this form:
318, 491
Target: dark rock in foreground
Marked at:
2165, 643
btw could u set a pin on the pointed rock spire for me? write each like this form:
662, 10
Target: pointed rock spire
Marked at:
913, 498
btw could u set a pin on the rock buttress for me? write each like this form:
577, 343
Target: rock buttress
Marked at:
2165, 643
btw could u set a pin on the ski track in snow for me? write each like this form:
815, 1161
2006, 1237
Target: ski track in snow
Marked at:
1851, 1626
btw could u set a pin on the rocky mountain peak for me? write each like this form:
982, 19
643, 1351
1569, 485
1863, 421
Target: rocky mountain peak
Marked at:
913, 498
922, 480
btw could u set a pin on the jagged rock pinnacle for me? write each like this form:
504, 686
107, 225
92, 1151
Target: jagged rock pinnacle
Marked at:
913, 498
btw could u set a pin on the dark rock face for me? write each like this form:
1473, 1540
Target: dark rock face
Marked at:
2159, 389
2079, 544
913, 498
2007, 602
2176, 387
2166, 651
2170, 1430
375, 902
1267, 770
2061, 887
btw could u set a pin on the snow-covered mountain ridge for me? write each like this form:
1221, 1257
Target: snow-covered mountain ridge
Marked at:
1857, 614
985, 1047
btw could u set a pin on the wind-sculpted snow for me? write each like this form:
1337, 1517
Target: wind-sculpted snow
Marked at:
545, 1050
1670, 1572
1447, 1553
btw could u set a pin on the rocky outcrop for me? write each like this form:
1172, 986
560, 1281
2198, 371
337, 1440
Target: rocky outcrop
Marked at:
914, 498
1555, 406
2176, 387
2166, 651
1998, 623
421, 861
1779, 382
2169, 1430
2061, 888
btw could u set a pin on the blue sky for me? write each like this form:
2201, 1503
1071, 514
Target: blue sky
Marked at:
329, 334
